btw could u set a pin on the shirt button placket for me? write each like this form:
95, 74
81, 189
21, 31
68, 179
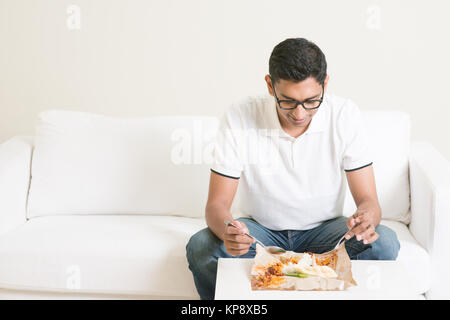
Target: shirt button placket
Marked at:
294, 147
293, 153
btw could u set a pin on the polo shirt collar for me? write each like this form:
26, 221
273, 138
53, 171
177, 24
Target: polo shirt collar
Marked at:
318, 122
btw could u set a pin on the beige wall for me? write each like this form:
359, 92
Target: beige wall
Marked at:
141, 58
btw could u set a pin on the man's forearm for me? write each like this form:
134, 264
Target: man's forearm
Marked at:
215, 215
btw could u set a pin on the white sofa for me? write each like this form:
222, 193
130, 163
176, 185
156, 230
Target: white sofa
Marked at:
102, 207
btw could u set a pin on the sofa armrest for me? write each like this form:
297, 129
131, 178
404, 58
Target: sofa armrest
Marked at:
15, 168
430, 211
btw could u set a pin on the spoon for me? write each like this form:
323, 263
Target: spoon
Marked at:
270, 249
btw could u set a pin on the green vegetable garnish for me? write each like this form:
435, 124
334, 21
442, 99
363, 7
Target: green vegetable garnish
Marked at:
298, 275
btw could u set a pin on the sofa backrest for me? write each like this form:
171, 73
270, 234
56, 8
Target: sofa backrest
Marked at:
389, 138
85, 163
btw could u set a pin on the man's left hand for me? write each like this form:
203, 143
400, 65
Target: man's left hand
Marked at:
364, 223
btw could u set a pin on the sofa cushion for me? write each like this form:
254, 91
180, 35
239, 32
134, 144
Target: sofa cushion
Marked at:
414, 258
388, 133
85, 163
127, 254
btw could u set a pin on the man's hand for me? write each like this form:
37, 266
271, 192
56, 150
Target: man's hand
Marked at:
235, 240
365, 223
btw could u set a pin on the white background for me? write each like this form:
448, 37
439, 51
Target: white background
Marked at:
143, 58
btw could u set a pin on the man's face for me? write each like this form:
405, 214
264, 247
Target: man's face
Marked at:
308, 89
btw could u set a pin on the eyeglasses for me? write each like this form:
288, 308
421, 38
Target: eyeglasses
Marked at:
293, 104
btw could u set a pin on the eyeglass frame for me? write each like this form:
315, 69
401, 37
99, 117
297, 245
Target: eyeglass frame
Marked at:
298, 102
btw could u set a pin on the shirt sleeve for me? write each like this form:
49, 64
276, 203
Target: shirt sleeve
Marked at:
227, 159
357, 153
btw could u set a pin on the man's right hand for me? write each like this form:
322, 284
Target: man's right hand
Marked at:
235, 240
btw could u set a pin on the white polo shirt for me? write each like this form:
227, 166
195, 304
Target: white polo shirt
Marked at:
289, 183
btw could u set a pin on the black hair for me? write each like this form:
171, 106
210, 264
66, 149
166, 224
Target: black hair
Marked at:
296, 59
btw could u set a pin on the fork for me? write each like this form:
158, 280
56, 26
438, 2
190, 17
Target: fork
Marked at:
341, 241
270, 249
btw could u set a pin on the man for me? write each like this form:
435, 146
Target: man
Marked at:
294, 192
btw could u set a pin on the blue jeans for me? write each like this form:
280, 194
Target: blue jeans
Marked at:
205, 248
